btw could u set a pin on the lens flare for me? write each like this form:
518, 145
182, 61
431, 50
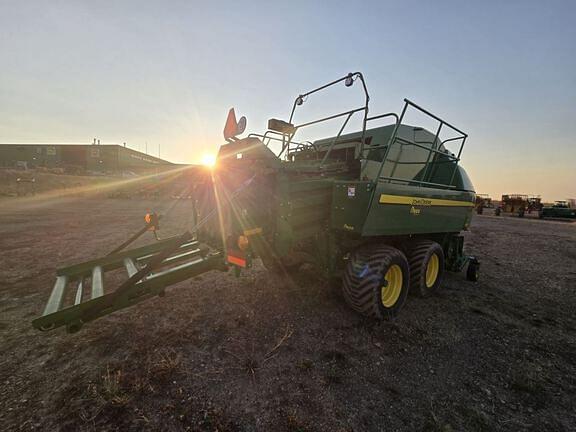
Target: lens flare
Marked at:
209, 160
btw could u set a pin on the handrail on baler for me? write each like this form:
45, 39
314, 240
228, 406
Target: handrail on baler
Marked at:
349, 80
431, 149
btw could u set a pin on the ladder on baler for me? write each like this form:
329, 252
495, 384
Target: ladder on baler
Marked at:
150, 269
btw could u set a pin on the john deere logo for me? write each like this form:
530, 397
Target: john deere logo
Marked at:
415, 211
421, 202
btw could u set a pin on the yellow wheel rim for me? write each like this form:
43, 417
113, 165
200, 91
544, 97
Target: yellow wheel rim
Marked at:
390, 292
432, 270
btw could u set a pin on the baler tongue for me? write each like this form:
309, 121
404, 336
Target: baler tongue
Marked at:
79, 294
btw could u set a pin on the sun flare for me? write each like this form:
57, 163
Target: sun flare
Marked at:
209, 160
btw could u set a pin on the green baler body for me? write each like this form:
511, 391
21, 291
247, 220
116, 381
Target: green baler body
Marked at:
298, 204
400, 210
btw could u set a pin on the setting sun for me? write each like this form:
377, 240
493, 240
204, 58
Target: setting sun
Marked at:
209, 160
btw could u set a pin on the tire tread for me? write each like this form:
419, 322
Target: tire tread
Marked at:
360, 289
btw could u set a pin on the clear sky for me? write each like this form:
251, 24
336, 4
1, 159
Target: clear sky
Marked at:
167, 72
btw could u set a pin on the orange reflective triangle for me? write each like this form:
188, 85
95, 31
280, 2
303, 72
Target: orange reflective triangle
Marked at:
231, 127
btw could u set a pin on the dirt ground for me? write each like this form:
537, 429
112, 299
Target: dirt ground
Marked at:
41, 181
269, 353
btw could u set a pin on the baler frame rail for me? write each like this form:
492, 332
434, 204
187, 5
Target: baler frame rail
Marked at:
150, 270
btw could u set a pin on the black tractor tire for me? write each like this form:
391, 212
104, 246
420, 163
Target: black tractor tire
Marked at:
376, 281
473, 270
426, 260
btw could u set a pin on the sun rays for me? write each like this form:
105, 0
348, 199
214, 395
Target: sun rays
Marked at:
66, 195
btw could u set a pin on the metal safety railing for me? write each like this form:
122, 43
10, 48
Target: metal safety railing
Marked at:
348, 81
433, 149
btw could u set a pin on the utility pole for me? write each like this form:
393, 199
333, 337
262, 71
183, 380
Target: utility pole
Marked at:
146, 151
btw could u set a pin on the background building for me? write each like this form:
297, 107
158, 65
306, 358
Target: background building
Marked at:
109, 158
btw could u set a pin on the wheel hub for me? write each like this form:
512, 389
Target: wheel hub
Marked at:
392, 286
432, 270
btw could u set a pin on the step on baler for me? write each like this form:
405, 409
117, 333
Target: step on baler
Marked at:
381, 210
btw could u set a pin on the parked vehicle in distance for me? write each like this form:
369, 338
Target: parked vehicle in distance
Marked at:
560, 209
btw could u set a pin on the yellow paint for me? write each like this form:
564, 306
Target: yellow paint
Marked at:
348, 227
252, 232
432, 270
422, 202
390, 292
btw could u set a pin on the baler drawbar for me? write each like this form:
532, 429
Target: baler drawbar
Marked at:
149, 269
